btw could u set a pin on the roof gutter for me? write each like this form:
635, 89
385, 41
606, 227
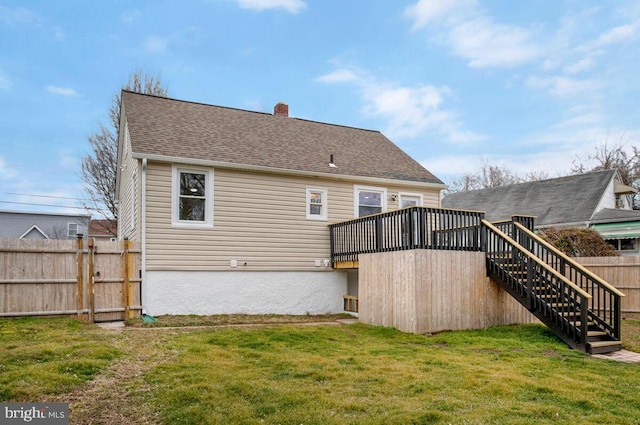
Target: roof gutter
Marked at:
275, 170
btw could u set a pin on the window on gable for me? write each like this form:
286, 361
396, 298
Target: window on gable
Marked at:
316, 204
369, 201
192, 199
72, 230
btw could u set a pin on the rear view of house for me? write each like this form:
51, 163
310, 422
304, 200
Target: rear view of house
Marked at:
232, 207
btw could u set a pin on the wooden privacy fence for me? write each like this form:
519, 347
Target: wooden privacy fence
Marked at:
624, 274
94, 280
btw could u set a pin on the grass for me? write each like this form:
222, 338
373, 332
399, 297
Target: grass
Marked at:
232, 319
41, 357
360, 374
348, 374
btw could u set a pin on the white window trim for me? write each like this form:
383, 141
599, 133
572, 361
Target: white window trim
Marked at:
325, 205
69, 235
410, 194
356, 200
175, 191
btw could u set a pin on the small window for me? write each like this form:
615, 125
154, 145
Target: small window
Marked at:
72, 230
192, 197
316, 204
628, 244
369, 200
410, 200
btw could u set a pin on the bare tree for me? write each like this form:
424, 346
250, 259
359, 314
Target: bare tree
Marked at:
492, 176
620, 156
99, 166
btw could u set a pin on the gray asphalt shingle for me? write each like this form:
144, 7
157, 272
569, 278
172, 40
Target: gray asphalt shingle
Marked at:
180, 129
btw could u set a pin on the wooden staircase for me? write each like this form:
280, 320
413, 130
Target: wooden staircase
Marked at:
579, 307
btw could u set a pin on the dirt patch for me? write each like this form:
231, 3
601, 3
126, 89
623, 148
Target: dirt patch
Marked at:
117, 396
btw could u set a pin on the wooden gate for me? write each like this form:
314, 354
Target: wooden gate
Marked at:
93, 280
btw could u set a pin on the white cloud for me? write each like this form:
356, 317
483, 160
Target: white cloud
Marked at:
59, 34
292, 6
561, 86
580, 66
338, 76
4, 81
154, 44
62, 91
410, 112
618, 34
473, 35
18, 16
425, 12
486, 44
129, 17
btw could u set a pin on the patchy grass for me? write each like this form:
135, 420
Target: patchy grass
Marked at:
631, 335
350, 374
233, 319
41, 357
361, 374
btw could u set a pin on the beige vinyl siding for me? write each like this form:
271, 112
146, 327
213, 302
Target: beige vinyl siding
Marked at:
258, 219
126, 229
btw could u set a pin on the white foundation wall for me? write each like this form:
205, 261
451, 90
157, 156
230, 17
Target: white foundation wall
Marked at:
205, 293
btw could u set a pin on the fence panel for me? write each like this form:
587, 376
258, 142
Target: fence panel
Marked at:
52, 277
624, 274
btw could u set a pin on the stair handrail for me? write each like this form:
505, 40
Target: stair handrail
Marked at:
537, 260
569, 260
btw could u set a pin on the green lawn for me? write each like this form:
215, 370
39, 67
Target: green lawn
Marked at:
346, 374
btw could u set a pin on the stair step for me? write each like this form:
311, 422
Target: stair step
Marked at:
600, 347
595, 334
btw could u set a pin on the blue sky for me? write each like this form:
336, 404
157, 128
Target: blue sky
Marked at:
529, 85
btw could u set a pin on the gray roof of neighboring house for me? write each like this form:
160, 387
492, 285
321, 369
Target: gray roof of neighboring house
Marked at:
570, 199
164, 127
610, 215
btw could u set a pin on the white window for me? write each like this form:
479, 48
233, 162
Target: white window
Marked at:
72, 230
410, 200
627, 244
192, 197
316, 204
369, 200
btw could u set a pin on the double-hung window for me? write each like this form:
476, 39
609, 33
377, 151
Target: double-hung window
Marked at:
369, 200
316, 204
72, 230
192, 199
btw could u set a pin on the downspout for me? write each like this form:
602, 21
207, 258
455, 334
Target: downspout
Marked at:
143, 236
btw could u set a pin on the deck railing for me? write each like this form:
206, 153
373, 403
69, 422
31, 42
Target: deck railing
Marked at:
549, 295
408, 228
605, 304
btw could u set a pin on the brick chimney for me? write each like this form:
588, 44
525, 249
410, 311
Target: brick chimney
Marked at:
281, 109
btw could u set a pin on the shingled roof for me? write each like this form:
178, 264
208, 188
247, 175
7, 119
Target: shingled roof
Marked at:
168, 128
564, 200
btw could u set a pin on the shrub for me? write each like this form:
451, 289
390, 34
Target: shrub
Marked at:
578, 242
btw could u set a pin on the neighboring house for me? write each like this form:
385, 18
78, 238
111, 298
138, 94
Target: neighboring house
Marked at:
42, 225
103, 229
232, 207
598, 200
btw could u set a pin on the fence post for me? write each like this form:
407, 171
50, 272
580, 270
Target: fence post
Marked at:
91, 282
128, 285
80, 277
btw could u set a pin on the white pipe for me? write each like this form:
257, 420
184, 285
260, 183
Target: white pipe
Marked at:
143, 234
